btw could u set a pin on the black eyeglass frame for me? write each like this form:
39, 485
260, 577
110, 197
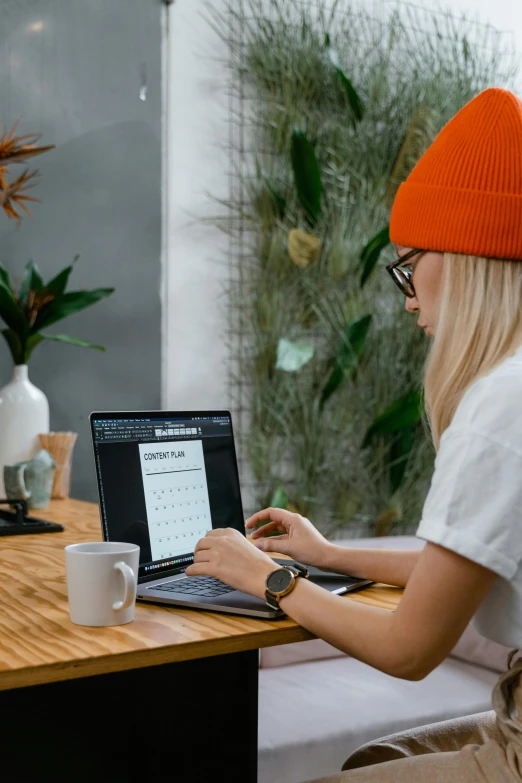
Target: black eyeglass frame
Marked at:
402, 277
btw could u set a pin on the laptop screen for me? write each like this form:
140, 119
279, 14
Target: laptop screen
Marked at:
164, 480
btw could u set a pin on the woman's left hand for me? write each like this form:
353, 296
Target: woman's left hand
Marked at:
226, 554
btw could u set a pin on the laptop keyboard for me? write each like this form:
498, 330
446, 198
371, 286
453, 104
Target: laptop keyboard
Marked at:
205, 586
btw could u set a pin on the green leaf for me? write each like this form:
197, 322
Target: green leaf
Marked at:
466, 49
372, 251
354, 101
58, 284
352, 343
64, 338
32, 281
279, 499
277, 198
68, 304
15, 346
36, 339
348, 354
32, 342
353, 98
399, 453
5, 279
292, 356
403, 413
10, 312
307, 175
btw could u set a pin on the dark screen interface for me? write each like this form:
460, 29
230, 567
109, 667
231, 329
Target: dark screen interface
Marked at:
165, 482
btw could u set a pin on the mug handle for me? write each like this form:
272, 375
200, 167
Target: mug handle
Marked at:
129, 578
20, 478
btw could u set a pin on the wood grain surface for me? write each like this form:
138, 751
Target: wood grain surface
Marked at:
39, 643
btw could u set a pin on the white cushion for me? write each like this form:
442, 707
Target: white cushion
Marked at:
298, 652
474, 648
383, 542
313, 715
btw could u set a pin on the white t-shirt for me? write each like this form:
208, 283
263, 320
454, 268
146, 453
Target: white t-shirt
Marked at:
474, 506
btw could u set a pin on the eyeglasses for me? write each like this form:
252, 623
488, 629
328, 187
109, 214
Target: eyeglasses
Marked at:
402, 277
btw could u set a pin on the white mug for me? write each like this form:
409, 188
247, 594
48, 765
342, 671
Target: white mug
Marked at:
101, 582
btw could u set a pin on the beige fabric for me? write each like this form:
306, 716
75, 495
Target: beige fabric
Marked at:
482, 748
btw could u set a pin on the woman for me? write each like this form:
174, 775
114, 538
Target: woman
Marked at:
457, 225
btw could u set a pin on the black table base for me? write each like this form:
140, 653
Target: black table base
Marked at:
189, 721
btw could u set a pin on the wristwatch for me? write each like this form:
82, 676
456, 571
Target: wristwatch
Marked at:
282, 581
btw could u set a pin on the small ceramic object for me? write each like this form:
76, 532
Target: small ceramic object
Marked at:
31, 480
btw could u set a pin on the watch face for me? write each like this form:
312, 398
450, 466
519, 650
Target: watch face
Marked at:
279, 580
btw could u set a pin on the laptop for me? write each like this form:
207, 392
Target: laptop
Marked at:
165, 478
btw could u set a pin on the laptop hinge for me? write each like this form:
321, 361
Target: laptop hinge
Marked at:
160, 575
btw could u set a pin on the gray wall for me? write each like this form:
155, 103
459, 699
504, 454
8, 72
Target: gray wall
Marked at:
72, 70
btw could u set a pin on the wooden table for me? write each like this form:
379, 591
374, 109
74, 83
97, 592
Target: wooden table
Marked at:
175, 691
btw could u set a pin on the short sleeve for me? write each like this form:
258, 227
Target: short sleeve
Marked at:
474, 505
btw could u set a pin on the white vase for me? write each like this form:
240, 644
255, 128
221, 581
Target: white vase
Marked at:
24, 413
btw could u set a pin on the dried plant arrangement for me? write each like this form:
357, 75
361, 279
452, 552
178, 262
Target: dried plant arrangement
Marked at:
35, 305
330, 110
13, 150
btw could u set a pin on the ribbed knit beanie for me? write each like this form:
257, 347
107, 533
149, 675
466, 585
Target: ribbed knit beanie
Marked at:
464, 195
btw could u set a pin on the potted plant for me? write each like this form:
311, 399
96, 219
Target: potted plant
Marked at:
27, 313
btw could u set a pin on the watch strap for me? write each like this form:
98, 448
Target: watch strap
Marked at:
301, 569
272, 601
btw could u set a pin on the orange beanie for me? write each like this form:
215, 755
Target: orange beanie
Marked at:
465, 193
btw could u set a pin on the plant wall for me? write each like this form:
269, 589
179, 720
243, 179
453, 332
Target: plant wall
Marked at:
331, 109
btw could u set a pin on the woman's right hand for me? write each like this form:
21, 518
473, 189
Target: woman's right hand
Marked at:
299, 538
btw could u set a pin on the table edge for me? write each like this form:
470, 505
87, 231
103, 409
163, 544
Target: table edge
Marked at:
140, 659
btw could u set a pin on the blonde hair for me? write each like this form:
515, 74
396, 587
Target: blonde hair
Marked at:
479, 324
